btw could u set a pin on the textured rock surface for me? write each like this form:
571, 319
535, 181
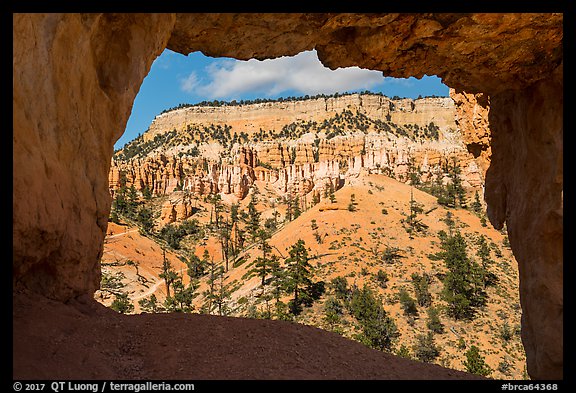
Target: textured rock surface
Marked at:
76, 76
477, 53
272, 116
177, 208
472, 120
524, 189
339, 159
304, 164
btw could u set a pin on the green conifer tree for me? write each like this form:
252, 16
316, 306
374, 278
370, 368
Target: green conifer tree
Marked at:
463, 287
253, 220
425, 348
122, 304
297, 279
475, 363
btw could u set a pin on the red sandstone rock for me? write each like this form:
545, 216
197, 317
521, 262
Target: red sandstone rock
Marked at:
76, 77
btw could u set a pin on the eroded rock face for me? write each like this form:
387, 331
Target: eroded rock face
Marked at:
472, 120
298, 165
76, 76
477, 53
339, 159
75, 79
524, 189
177, 208
275, 115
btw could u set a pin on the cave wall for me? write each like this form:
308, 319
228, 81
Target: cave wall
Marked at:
75, 80
524, 190
76, 77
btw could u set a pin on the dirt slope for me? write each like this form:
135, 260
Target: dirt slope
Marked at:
350, 247
351, 243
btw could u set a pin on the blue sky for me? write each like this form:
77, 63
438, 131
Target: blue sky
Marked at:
176, 79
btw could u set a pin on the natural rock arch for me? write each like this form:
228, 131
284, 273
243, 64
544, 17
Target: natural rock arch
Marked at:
76, 77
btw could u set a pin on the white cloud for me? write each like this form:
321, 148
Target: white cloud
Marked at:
303, 73
189, 83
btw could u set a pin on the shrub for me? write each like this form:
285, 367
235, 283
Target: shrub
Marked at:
434, 323
391, 254
404, 352
425, 349
408, 304
421, 288
382, 279
333, 311
378, 330
506, 332
122, 304
475, 363
504, 367
340, 287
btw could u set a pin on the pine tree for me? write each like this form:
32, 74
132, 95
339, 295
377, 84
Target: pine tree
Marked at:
331, 195
425, 349
122, 304
276, 280
224, 231
132, 201
289, 207
433, 323
475, 363
210, 293
234, 212
297, 276
352, 204
483, 253
463, 286
378, 330
449, 221
339, 285
421, 289
146, 193
456, 190
144, 218
440, 191
476, 206
183, 296
196, 266
413, 172
253, 219
313, 225
221, 295
120, 202
408, 304
413, 223
316, 199
168, 273
149, 305
333, 311
216, 201
262, 266
296, 211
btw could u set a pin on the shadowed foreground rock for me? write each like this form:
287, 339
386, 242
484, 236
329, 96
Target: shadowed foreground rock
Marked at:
85, 340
